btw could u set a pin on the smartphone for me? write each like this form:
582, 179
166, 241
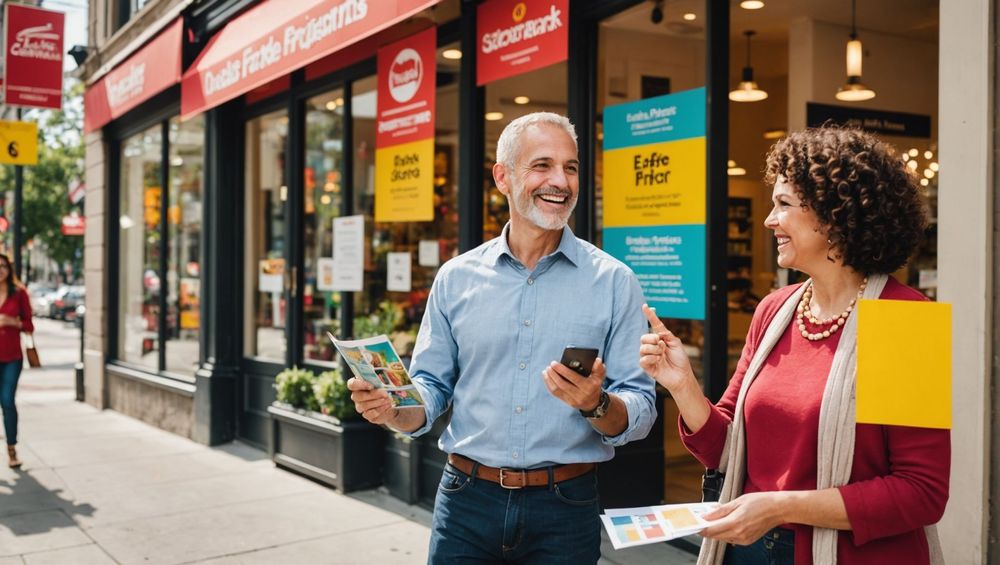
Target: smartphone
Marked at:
580, 359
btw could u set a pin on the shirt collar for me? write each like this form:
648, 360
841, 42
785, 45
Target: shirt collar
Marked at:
569, 247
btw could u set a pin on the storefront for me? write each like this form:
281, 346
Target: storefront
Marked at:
226, 182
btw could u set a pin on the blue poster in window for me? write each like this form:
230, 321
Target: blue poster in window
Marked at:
654, 191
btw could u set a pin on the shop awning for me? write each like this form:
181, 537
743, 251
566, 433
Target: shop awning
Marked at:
278, 37
148, 72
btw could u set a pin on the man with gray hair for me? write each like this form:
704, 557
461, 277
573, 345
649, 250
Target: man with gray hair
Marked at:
526, 432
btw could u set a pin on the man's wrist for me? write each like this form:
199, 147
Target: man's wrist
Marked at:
603, 404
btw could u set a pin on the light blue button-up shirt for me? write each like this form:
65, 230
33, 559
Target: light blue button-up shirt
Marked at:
492, 326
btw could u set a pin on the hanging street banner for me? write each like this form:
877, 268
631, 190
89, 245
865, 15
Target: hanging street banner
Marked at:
76, 190
18, 143
33, 49
517, 36
655, 195
404, 134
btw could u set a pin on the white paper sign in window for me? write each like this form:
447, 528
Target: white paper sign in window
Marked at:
348, 253
398, 267
428, 254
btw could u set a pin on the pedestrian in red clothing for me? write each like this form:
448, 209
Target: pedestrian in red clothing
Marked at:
15, 317
804, 482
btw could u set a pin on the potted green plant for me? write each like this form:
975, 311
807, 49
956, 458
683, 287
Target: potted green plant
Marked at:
382, 321
316, 431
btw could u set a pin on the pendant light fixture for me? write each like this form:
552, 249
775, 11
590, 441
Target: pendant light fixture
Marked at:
747, 90
854, 90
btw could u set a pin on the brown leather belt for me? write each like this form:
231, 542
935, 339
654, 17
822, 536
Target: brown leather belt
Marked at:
520, 478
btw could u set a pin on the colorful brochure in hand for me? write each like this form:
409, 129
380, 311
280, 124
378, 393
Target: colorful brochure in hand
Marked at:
629, 527
376, 361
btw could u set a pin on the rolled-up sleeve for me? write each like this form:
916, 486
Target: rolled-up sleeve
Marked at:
626, 379
434, 366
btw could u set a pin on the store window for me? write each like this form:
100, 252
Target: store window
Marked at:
139, 249
543, 90
639, 59
159, 270
798, 55
398, 313
322, 202
265, 272
184, 215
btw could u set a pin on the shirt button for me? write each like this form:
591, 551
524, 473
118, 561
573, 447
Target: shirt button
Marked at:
527, 322
515, 455
521, 366
531, 281
519, 409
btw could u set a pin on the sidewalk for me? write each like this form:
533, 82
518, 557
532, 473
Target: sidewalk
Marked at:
98, 487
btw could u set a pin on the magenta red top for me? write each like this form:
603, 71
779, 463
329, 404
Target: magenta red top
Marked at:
899, 480
18, 306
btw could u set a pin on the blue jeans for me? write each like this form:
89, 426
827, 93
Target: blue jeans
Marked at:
10, 372
776, 547
477, 521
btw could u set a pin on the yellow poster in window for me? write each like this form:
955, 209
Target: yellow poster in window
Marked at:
904, 363
18, 143
655, 184
404, 182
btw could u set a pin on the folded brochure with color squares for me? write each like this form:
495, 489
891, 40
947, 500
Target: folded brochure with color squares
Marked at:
904, 363
376, 361
629, 527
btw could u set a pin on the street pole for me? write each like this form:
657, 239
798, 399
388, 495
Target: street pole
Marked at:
18, 208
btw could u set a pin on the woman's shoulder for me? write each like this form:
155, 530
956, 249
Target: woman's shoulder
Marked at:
770, 304
895, 290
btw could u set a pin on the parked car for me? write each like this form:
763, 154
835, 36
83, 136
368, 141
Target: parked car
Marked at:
39, 295
64, 303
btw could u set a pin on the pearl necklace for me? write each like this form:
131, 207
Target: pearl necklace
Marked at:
805, 312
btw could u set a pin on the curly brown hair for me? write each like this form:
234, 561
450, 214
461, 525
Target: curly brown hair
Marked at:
868, 202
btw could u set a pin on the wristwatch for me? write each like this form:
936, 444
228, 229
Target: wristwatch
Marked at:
602, 407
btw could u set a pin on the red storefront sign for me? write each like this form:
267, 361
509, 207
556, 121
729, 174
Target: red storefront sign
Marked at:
149, 71
73, 225
278, 37
406, 89
33, 47
517, 36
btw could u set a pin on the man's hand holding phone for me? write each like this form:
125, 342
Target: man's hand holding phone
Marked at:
571, 386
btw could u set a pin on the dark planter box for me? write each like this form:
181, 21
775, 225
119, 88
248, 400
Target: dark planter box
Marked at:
401, 471
344, 455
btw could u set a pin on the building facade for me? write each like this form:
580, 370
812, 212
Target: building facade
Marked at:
214, 186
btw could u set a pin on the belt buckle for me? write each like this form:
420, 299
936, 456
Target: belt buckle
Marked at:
524, 478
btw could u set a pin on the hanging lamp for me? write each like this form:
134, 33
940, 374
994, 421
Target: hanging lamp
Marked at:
747, 90
854, 90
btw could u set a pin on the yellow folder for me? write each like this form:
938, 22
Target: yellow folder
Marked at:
904, 363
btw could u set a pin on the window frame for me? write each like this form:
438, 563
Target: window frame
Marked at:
156, 112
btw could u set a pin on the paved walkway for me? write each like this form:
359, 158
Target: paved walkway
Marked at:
101, 488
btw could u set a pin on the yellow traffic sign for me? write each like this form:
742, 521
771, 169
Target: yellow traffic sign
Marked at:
18, 143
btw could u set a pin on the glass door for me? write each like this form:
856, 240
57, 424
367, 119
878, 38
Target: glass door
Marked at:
266, 275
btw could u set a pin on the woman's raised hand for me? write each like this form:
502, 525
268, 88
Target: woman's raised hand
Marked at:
661, 354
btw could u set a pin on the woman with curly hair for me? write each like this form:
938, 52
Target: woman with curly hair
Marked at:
804, 482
